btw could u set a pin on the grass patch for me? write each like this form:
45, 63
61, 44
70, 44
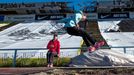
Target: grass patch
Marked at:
33, 62
6, 62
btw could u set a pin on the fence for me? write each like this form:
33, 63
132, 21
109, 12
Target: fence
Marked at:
125, 49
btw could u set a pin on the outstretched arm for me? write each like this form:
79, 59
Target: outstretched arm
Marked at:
62, 20
77, 25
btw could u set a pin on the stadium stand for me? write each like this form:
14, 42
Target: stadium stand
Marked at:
115, 6
8, 12
34, 8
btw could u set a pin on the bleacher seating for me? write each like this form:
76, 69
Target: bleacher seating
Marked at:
8, 12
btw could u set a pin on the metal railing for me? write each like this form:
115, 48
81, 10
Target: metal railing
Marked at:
25, 49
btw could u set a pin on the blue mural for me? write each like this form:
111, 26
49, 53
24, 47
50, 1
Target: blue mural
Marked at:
25, 1
1, 18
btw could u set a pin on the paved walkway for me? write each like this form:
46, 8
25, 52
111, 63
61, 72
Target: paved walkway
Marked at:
22, 71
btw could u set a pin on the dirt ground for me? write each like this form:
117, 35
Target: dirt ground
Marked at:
83, 71
68, 71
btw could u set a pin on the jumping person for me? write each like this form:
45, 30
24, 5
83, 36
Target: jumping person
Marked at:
72, 28
54, 50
